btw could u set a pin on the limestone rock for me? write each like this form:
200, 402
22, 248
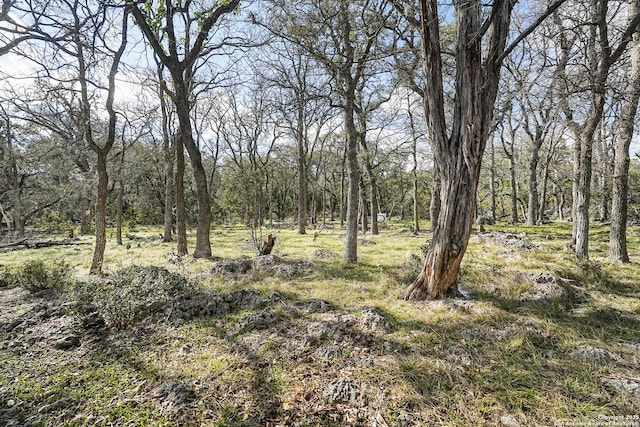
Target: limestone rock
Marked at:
376, 319
629, 386
342, 390
588, 353
260, 320
323, 254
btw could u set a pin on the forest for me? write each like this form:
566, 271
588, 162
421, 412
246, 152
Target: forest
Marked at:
273, 213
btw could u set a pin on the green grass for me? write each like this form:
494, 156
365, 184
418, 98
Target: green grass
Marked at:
517, 350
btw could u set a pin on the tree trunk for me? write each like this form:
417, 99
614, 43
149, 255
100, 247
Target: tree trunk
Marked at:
203, 243
618, 235
583, 199
414, 168
343, 209
434, 207
181, 214
514, 188
87, 212
351, 245
302, 171
373, 185
169, 147
100, 214
532, 209
492, 182
458, 156
119, 207
168, 192
440, 272
543, 195
416, 210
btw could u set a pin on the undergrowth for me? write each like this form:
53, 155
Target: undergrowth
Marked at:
37, 275
497, 357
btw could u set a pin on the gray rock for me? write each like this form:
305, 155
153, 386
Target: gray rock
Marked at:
242, 265
544, 291
253, 321
342, 390
177, 394
62, 403
510, 240
544, 278
196, 305
629, 386
314, 305
376, 319
266, 262
67, 342
203, 305
334, 328
509, 421
329, 352
460, 355
323, 254
590, 354
244, 299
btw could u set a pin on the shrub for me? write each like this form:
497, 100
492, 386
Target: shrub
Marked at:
132, 294
37, 275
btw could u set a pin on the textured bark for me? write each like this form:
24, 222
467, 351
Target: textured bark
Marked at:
514, 189
434, 206
532, 208
492, 182
168, 147
414, 170
180, 61
353, 173
350, 80
302, 171
458, 154
203, 243
119, 207
181, 215
601, 56
618, 235
509, 151
373, 183
101, 150
101, 214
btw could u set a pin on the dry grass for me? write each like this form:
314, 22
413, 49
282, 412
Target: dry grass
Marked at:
495, 358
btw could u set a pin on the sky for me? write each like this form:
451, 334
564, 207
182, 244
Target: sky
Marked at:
16, 70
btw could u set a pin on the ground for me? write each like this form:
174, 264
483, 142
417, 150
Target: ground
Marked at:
301, 339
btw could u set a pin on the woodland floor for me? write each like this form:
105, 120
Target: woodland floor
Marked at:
301, 339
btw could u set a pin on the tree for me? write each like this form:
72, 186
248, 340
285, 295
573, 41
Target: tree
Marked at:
101, 149
625, 125
179, 56
508, 131
459, 142
299, 104
343, 38
601, 56
80, 37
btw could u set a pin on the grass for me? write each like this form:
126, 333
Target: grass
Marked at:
450, 362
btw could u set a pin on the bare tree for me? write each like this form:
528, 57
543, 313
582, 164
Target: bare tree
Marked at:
625, 125
600, 56
343, 38
458, 142
179, 56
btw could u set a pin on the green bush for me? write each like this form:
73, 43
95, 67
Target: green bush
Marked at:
37, 275
132, 294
